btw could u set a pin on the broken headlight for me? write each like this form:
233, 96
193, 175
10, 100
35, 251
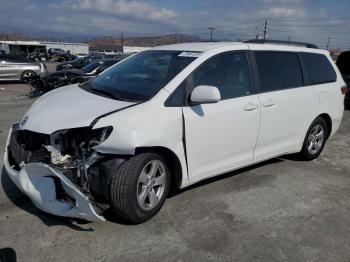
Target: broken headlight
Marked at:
70, 147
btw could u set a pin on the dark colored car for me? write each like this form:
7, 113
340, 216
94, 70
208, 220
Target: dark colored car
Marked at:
77, 63
39, 54
343, 63
56, 51
60, 54
70, 76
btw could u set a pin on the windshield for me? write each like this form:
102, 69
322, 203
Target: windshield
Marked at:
76, 60
92, 66
140, 77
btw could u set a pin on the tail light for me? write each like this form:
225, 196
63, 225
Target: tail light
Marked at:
344, 90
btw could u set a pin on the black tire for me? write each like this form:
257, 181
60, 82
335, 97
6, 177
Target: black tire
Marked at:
124, 188
305, 152
27, 75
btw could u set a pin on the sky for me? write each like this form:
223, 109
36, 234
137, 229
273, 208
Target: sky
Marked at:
316, 21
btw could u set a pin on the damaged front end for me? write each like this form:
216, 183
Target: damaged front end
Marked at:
60, 172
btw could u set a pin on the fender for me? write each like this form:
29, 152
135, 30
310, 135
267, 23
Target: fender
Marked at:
153, 125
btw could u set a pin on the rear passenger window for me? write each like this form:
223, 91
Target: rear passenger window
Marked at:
278, 70
318, 68
228, 72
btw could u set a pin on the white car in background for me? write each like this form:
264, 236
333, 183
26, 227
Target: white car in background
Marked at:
11, 69
168, 118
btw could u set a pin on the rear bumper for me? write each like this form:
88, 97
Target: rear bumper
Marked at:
46, 187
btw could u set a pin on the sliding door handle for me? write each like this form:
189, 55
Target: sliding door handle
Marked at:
269, 102
250, 107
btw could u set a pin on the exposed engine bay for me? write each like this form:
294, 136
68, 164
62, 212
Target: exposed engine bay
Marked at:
71, 153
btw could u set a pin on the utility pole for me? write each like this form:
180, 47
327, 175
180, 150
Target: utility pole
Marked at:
328, 40
265, 29
211, 32
122, 41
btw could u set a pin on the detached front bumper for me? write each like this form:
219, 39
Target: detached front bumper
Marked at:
50, 190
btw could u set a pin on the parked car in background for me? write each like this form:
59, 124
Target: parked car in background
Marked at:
39, 54
170, 117
48, 82
77, 63
56, 52
343, 63
60, 55
11, 69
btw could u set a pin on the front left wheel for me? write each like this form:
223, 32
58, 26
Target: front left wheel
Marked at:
27, 75
139, 187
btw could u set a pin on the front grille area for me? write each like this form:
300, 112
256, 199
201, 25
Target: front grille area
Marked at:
26, 146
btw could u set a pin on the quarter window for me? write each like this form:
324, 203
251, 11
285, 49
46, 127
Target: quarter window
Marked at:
278, 70
228, 72
318, 68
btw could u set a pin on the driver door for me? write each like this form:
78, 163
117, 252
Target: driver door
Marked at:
221, 136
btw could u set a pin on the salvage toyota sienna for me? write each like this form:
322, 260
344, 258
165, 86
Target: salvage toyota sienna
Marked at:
167, 118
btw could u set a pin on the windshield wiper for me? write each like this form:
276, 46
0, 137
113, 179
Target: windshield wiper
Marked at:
104, 93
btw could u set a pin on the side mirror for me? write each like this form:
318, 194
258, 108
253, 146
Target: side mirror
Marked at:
98, 70
205, 95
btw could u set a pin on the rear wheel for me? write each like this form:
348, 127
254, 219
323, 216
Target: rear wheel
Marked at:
139, 187
315, 139
27, 75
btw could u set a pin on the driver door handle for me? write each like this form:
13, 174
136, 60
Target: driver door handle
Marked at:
250, 107
269, 102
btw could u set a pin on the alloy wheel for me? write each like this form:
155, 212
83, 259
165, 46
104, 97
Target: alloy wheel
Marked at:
315, 139
151, 184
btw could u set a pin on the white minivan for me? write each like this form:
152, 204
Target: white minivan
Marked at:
167, 118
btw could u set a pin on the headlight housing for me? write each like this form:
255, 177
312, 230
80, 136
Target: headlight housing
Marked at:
76, 144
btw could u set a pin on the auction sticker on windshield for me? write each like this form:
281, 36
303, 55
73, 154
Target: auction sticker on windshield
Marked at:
190, 54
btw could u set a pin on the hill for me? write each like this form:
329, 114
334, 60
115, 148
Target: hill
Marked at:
145, 41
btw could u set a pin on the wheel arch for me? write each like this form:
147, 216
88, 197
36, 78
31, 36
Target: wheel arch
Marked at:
328, 120
172, 161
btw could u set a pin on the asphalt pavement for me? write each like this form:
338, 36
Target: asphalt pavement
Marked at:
280, 210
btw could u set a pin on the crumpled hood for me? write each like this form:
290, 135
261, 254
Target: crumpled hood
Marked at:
67, 107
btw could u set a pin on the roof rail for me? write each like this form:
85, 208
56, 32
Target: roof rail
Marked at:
269, 41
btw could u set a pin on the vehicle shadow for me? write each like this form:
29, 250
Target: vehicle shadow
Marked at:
8, 254
224, 176
10, 82
23, 202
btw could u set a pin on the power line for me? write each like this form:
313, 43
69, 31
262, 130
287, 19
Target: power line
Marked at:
328, 39
310, 19
265, 29
211, 32
308, 25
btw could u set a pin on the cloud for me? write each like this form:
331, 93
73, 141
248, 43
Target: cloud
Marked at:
283, 12
232, 19
60, 19
132, 9
283, 2
32, 8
